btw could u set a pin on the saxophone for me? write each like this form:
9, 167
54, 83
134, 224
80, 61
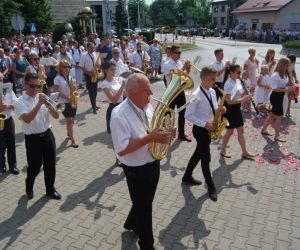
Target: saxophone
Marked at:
74, 95
163, 116
96, 71
219, 122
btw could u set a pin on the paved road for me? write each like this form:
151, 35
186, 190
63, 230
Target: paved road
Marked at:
258, 205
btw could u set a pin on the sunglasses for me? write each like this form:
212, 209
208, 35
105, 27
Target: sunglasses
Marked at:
34, 86
116, 53
177, 52
36, 59
66, 66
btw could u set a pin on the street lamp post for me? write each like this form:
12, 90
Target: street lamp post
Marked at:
139, 21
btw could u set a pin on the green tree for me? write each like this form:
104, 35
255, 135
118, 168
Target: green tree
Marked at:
38, 11
120, 17
164, 12
133, 11
7, 9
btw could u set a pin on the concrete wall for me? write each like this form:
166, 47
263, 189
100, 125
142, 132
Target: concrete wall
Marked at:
289, 14
263, 17
62, 10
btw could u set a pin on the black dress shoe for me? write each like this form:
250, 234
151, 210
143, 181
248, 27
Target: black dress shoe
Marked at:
29, 193
97, 108
190, 180
130, 228
54, 195
3, 169
94, 111
184, 138
212, 193
14, 171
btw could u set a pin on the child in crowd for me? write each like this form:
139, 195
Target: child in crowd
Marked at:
263, 91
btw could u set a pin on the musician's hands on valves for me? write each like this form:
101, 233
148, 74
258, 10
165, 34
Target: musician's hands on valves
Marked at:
42, 97
162, 136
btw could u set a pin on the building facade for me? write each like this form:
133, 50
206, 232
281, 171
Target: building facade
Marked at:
62, 10
221, 10
266, 14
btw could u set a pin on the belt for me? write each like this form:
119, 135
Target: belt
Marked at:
149, 164
43, 134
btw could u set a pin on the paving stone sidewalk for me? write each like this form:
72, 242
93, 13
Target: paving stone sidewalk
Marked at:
258, 203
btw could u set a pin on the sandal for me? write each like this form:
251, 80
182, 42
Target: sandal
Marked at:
225, 155
265, 132
277, 138
74, 145
248, 156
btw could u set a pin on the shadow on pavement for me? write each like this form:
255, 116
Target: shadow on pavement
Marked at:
22, 214
186, 221
167, 165
129, 240
96, 187
103, 138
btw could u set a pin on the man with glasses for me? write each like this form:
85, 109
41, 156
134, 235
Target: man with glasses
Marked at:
87, 64
36, 68
120, 66
175, 63
39, 139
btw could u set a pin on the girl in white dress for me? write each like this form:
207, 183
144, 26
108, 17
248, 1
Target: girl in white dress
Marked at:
263, 90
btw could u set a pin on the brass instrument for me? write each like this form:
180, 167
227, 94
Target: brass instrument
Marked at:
53, 105
96, 72
219, 122
3, 116
163, 116
74, 95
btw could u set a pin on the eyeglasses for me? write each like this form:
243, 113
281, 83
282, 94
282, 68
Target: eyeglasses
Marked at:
116, 53
177, 52
36, 59
34, 86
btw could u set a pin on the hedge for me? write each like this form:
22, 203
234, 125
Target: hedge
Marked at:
292, 44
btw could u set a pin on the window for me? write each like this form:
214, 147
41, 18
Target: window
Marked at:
254, 20
223, 8
222, 20
215, 9
215, 20
295, 26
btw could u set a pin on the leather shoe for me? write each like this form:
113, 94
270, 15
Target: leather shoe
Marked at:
212, 193
190, 180
130, 227
54, 195
29, 193
94, 111
3, 170
184, 138
14, 170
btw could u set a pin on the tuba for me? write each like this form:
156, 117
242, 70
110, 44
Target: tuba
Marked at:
219, 122
74, 95
163, 116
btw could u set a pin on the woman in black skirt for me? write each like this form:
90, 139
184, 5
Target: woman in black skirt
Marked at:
280, 82
62, 84
113, 88
234, 97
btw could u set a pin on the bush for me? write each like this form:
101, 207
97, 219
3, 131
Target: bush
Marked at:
148, 34
292, 44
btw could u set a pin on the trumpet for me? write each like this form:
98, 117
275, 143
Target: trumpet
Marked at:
53, 105
187, 64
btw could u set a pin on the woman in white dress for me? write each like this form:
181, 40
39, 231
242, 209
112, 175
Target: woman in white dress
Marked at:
270, 61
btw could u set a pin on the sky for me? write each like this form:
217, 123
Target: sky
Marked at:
149, 2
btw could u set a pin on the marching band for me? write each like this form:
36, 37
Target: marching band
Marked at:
129, 112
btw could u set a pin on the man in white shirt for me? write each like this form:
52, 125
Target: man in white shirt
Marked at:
175, 63
7, 134
120, 66
220, 66
201, 113
87, 64
39, 139
64, 54
76, 55
138, 58
131, 138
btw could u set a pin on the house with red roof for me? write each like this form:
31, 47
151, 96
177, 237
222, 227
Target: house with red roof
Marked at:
265, 14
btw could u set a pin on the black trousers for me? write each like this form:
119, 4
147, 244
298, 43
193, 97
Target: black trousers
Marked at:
178, 102
218, 92
110, 108
7, 143
92, 89
41, 150
202, 152
142, 182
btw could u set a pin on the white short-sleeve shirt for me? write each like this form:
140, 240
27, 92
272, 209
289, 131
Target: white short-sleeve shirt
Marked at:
169, 65
114, 87
64, 87
23, 105
234, 88
125, 126
278, 81
219, 66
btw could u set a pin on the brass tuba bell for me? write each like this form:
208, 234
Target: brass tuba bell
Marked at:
163, 116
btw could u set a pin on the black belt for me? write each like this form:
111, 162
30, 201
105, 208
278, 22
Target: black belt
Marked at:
149, 164
43, 134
